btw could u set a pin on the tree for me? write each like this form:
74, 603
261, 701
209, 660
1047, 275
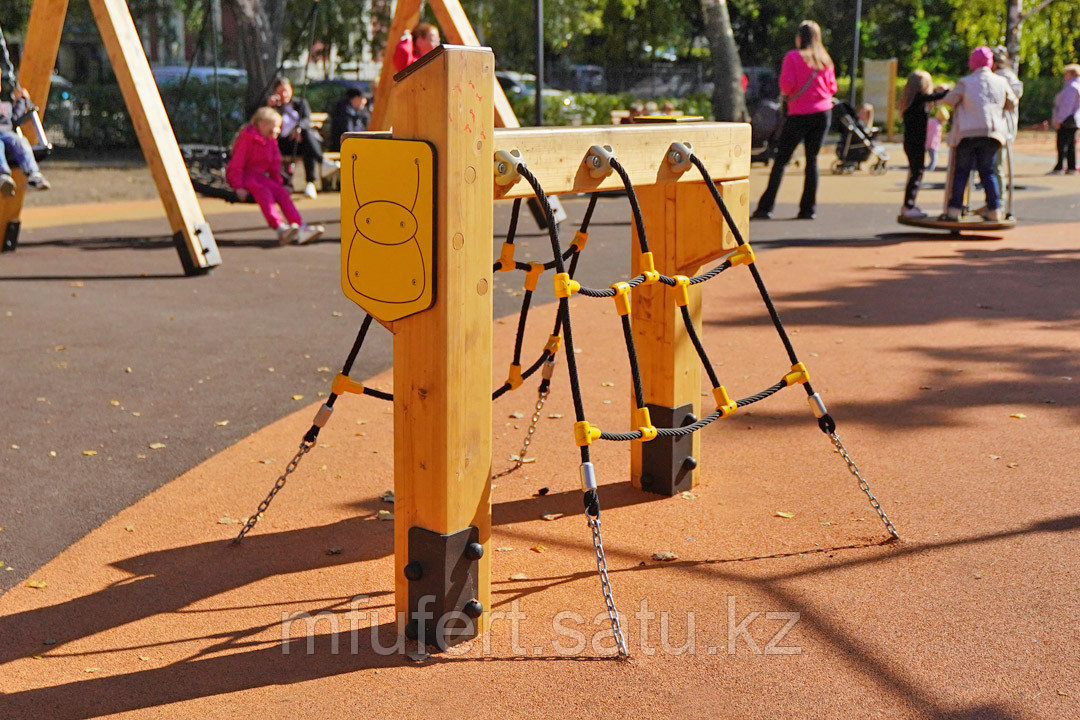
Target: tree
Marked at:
259, 24
729, 102
1014, 25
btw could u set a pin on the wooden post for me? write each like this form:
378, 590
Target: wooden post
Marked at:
194, 239
35, 72
442, 356
456, 30
681, 221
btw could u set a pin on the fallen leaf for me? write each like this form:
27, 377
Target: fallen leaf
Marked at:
89, 453
58, 348
222, 423
114, 403
1013, 465
333, 550
52, 453
297, 397
336, 314
128, 370
519, 576
552, 516
156, 446
228, 521
266, 461
555, 416
1018, 416
664, 556
687, 495
14, 447
925, 387
144, 658
607, 384
36, 657
1062, 693
388, 496
137, 414
323, 467
37, 584
995, 457
323, 369
517, 414
385, 515
781, 513
503, 549
92, 669
77, 283
361, 422
130, 528
538, 548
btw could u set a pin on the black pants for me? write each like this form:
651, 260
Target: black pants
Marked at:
810, 131
308, 147
1066, 148
916, 158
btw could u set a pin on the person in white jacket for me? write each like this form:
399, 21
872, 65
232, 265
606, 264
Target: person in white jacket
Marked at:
979, 131
1065, 119
1003, 67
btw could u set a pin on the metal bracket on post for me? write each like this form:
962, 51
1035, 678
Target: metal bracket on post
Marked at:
443, 572
211, 257
11, 236
667, 463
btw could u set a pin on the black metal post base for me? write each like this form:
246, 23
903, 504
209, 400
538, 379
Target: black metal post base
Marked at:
443, 574
667, 463
11, 236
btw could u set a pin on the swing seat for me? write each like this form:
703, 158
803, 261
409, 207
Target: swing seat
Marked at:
206, 168
966, 223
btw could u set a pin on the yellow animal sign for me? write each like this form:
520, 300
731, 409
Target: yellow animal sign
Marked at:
388, 225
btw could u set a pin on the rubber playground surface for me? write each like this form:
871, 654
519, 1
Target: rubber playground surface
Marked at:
949, 363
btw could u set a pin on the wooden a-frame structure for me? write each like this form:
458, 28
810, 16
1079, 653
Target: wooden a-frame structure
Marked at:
191, 233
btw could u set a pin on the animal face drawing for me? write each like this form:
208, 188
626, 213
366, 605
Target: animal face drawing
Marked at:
384, 258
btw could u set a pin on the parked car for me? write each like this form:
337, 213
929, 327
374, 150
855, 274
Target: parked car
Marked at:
522, 87
762, 83
170, 75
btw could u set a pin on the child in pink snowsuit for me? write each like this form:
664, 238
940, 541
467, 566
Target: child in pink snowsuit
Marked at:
255, 169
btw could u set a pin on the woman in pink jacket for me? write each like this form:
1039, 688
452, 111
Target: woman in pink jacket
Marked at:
808, 82
255, 169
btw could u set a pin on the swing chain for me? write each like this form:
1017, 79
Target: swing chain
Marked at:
863, 485
541, 397
305, 448
605, 585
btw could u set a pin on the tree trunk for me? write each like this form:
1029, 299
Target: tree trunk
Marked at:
1013, 11
729, 102
259, 25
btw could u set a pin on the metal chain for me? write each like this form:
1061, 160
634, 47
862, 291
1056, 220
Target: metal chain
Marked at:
605, 585
305, 448
863, 485
528, 435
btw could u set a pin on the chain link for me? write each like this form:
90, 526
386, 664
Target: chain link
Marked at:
605, 585
305, 448
863, 485
528, 435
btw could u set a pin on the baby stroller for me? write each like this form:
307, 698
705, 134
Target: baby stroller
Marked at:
857, 144
765, 127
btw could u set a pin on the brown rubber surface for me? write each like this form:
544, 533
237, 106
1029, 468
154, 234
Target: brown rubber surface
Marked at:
922, 346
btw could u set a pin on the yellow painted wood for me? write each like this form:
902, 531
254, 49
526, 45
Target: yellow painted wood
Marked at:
442, 357
35, 71
557, 155
683, 226
387, 225
151, 123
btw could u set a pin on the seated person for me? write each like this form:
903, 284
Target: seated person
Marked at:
348, 115
12, 115
297, 137
415, 44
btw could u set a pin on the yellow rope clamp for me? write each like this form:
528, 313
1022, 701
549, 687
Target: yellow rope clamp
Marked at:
342, 384
644, 423
584, 433
535, 271
580, 238
682, 290
506, 257
514, 379
564, 286
553, 344
798, 374
743, 255
648, 269
724, 403
622, 297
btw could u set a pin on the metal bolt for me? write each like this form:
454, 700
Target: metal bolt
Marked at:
414, 571
690, 462
502, 168
473, 609
474, 551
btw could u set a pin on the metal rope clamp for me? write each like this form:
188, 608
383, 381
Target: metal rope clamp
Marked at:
678, 157
506, 167
598, 161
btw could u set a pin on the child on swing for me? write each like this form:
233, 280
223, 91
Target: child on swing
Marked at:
255, 170
12, 115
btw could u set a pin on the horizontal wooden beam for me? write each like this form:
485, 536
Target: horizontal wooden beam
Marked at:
556, 156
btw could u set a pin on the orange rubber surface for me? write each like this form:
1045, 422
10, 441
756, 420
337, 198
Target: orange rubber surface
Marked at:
951, 368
